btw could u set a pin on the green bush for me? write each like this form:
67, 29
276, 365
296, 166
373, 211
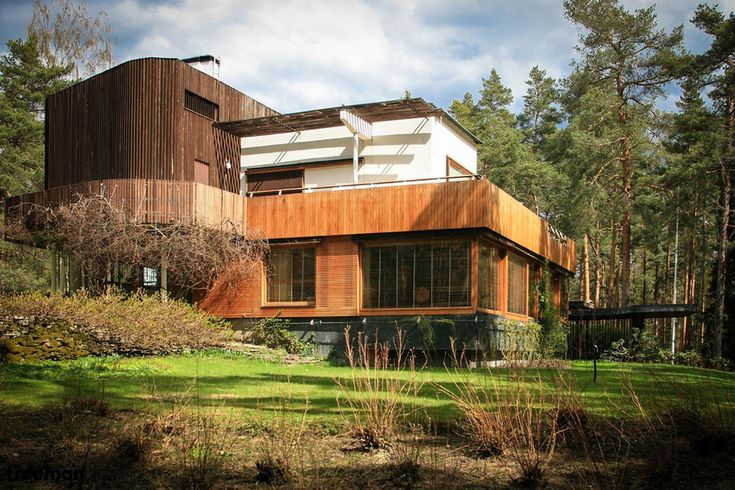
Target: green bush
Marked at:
553, 331
645, 346
617, 352
274, 333
520, 340
135, 324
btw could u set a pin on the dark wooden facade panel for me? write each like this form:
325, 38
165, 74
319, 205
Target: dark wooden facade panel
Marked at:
130, 123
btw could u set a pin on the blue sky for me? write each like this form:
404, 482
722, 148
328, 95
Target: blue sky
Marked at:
297, 55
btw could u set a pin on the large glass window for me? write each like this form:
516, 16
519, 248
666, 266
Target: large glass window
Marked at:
291, 274
488, 277
517, 285
416, 275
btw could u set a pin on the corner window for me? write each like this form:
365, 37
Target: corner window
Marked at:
517, 285
416, 275
291, 275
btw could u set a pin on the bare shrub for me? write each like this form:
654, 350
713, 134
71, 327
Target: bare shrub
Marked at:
533, 428
405, 470
375, 397
197, 439
511, 420
102, 237
279, 451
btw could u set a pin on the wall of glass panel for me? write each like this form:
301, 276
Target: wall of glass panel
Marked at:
416, 275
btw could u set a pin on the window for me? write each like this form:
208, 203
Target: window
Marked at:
150, 277
517, 285
291, 273
275, 181
416, 275
455, 169
201, 106
488, 277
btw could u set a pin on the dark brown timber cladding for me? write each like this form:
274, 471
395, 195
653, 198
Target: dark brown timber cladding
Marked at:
130, 123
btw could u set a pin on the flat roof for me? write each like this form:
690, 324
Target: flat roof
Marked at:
639, 311
296, 122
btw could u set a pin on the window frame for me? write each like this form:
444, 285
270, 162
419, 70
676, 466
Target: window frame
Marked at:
266, 302
363, 246
453, 164
526, 285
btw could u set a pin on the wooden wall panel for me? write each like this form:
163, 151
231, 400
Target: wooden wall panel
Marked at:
129, 122
422, 207
149, 201
336, 288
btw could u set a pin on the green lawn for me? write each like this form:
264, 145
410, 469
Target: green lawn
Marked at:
247, 385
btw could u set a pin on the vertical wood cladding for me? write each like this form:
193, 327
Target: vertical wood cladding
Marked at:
130, 123
336, 288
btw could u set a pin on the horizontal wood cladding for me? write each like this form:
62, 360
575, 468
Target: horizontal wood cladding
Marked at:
129, 122
151, 201
336, 288
423, 207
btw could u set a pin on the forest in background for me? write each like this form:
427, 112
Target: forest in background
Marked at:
597, 157
593, 153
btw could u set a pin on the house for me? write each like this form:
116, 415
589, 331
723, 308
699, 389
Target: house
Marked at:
374, 213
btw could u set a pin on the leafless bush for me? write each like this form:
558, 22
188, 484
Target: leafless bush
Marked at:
512, 419
278, 452
376, 394
405, 469
104, 240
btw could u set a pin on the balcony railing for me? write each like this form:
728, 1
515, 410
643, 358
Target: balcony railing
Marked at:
361, 185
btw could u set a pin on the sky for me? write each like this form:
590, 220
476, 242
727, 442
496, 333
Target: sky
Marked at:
300, 55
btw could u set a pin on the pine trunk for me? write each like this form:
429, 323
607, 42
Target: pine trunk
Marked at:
611, 272
586, 269
626, 164
726, 174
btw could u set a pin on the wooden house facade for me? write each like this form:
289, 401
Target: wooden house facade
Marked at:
374, 213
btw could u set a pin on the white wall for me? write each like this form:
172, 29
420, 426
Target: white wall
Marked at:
449, 143
405, 149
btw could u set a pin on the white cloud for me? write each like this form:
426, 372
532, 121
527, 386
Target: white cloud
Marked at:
298, 55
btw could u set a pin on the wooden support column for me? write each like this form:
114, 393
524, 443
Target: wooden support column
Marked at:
164, 281
54, 271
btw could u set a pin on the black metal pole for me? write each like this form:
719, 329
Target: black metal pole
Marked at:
594, 363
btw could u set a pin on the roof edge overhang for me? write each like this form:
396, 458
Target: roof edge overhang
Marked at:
389, 110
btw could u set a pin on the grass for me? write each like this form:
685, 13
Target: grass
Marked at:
253, 387
225, 420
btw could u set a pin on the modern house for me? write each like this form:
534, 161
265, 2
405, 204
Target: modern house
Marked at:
374, 213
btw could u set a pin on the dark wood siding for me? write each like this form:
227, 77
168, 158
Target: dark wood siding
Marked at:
130, 123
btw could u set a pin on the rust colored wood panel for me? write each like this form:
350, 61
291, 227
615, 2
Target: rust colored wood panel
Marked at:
336, 288
423, 207
129, 122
